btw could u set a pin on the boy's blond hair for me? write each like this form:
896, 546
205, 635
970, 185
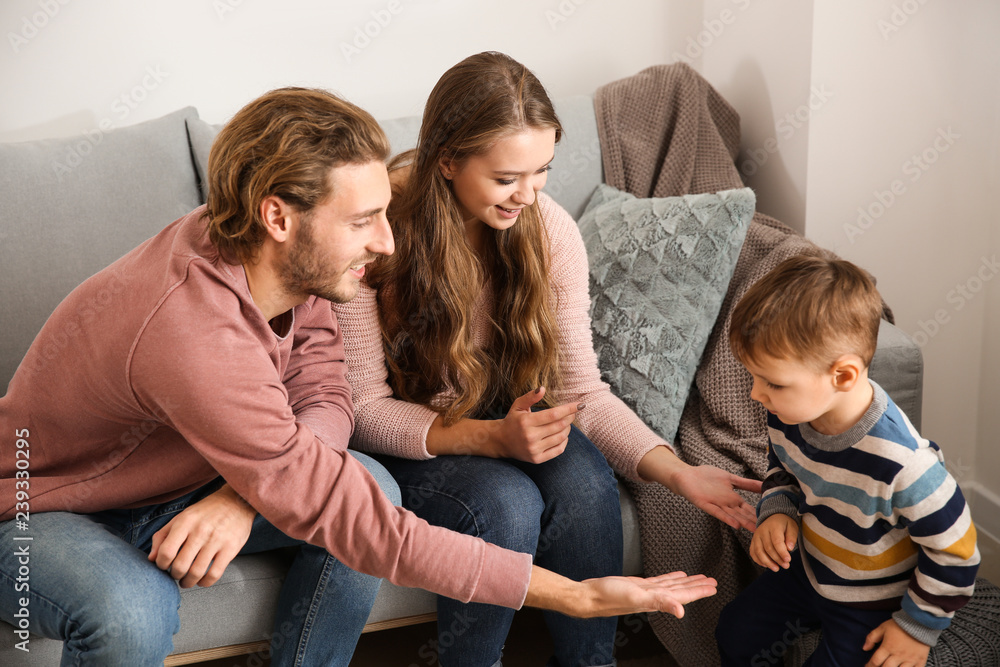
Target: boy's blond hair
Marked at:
810, 309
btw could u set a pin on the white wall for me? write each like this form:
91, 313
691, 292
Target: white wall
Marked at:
833, 106
988, 453
837, 99
74, 71
760, 62
912, 141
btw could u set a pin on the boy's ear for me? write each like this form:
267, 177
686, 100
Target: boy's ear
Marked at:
846, 372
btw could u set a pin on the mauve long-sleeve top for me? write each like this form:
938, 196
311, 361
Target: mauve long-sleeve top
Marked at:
159, 374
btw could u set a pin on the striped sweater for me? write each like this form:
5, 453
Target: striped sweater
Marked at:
883, 524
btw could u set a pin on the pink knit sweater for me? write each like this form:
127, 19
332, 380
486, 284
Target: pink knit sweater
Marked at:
386, 425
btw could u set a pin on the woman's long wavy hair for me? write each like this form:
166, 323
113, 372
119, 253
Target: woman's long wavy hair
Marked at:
428, 289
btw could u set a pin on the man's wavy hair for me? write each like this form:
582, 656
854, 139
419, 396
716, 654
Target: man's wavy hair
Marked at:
427, 290
810, 309
284, 143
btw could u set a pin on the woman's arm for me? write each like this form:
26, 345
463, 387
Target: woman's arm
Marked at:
524, 435
621, 436
387, 425
382, 424
707, 487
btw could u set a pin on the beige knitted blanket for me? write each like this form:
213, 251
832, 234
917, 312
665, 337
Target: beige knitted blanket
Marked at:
664, 132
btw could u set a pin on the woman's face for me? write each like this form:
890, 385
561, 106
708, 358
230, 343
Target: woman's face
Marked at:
492, 188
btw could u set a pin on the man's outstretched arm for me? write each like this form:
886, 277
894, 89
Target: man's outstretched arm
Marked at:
198, 544
219, 390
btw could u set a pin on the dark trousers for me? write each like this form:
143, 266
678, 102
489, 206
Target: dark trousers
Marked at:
762, 623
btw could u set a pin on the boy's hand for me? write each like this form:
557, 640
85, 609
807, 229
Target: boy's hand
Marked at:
897, 649
773, 542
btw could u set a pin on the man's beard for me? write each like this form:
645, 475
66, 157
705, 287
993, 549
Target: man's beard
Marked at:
304, 271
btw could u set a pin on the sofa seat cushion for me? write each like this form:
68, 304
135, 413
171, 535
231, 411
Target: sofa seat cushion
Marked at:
239, 608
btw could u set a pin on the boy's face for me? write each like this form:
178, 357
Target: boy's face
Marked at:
792, 390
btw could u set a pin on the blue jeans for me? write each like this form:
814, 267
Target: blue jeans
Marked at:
92, 587
762, 623
564, 511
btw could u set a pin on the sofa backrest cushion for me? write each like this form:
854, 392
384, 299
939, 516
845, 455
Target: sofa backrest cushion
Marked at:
70, 207
201, 135
577, 169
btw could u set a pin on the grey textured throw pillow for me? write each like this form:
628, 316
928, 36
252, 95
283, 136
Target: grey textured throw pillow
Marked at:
659, 270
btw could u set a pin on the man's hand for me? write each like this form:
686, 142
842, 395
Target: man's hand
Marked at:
773, 542
898, 649
199, 543
613, 596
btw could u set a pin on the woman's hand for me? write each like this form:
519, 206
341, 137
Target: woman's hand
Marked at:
534, 437
613, 596
712, 490
709, 488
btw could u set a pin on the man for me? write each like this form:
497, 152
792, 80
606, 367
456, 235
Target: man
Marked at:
221, 378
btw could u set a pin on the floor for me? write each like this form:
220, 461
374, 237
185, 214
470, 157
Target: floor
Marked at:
528, 645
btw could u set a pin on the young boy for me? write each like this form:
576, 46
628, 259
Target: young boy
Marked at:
863, 531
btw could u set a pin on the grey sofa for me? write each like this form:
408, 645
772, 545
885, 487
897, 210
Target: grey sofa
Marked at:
69, 207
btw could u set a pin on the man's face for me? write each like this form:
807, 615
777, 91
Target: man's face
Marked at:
334, 241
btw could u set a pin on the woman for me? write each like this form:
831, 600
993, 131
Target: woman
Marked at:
471, 359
